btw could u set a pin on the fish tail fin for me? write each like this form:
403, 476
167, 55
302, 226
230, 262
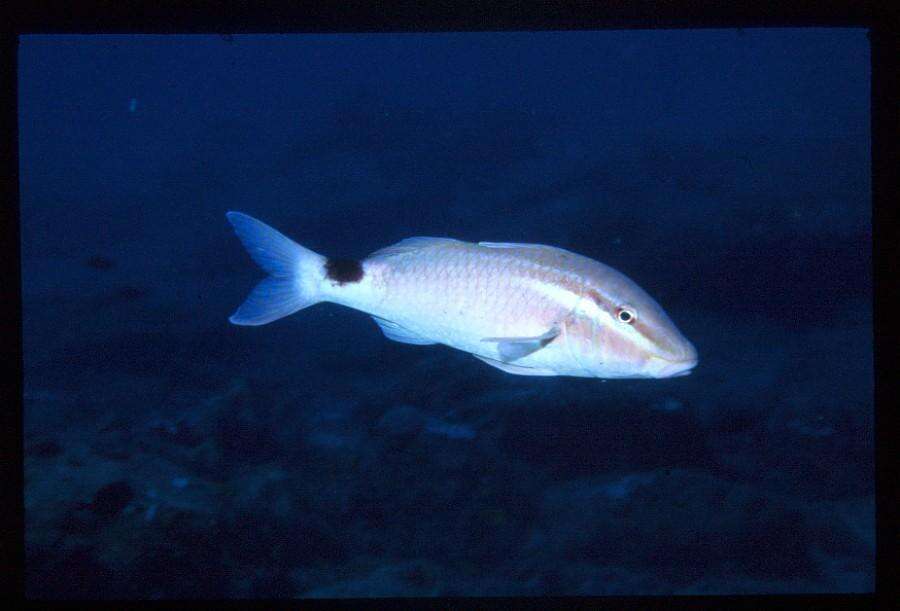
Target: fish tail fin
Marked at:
295, 273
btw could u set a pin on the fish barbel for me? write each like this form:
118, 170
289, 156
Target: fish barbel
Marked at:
527, 309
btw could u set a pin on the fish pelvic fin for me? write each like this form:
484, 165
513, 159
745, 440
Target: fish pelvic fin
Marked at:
295, 273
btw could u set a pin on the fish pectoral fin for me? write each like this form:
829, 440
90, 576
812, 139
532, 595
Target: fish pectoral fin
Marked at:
516, 369
400, 334
512, 348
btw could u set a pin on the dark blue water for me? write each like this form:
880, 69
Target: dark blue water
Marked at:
171, 454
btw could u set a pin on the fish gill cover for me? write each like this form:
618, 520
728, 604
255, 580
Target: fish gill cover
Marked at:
171, 454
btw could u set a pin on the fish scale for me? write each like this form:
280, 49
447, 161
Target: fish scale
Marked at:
473, 294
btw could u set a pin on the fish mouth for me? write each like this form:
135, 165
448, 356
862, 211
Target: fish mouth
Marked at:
670, 368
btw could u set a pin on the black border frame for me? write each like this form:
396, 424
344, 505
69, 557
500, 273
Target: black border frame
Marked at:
134, 16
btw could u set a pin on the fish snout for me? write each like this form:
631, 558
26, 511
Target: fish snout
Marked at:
679, 362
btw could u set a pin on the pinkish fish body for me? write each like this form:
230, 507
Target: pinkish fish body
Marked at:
526, 309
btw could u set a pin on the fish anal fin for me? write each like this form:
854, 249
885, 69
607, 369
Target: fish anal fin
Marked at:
400, 334
516, 369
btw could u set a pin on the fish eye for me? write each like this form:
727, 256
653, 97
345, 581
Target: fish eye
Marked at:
625, 315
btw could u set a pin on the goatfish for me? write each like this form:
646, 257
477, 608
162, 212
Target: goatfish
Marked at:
526, 309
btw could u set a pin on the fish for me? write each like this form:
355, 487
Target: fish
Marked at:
525, 309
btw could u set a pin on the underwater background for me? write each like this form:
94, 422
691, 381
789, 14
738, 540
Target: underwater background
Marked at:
169, 453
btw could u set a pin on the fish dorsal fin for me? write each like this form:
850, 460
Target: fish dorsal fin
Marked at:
518, 370
511, 245
534, 249
400, 334
411, 245
512, 348
521, 245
